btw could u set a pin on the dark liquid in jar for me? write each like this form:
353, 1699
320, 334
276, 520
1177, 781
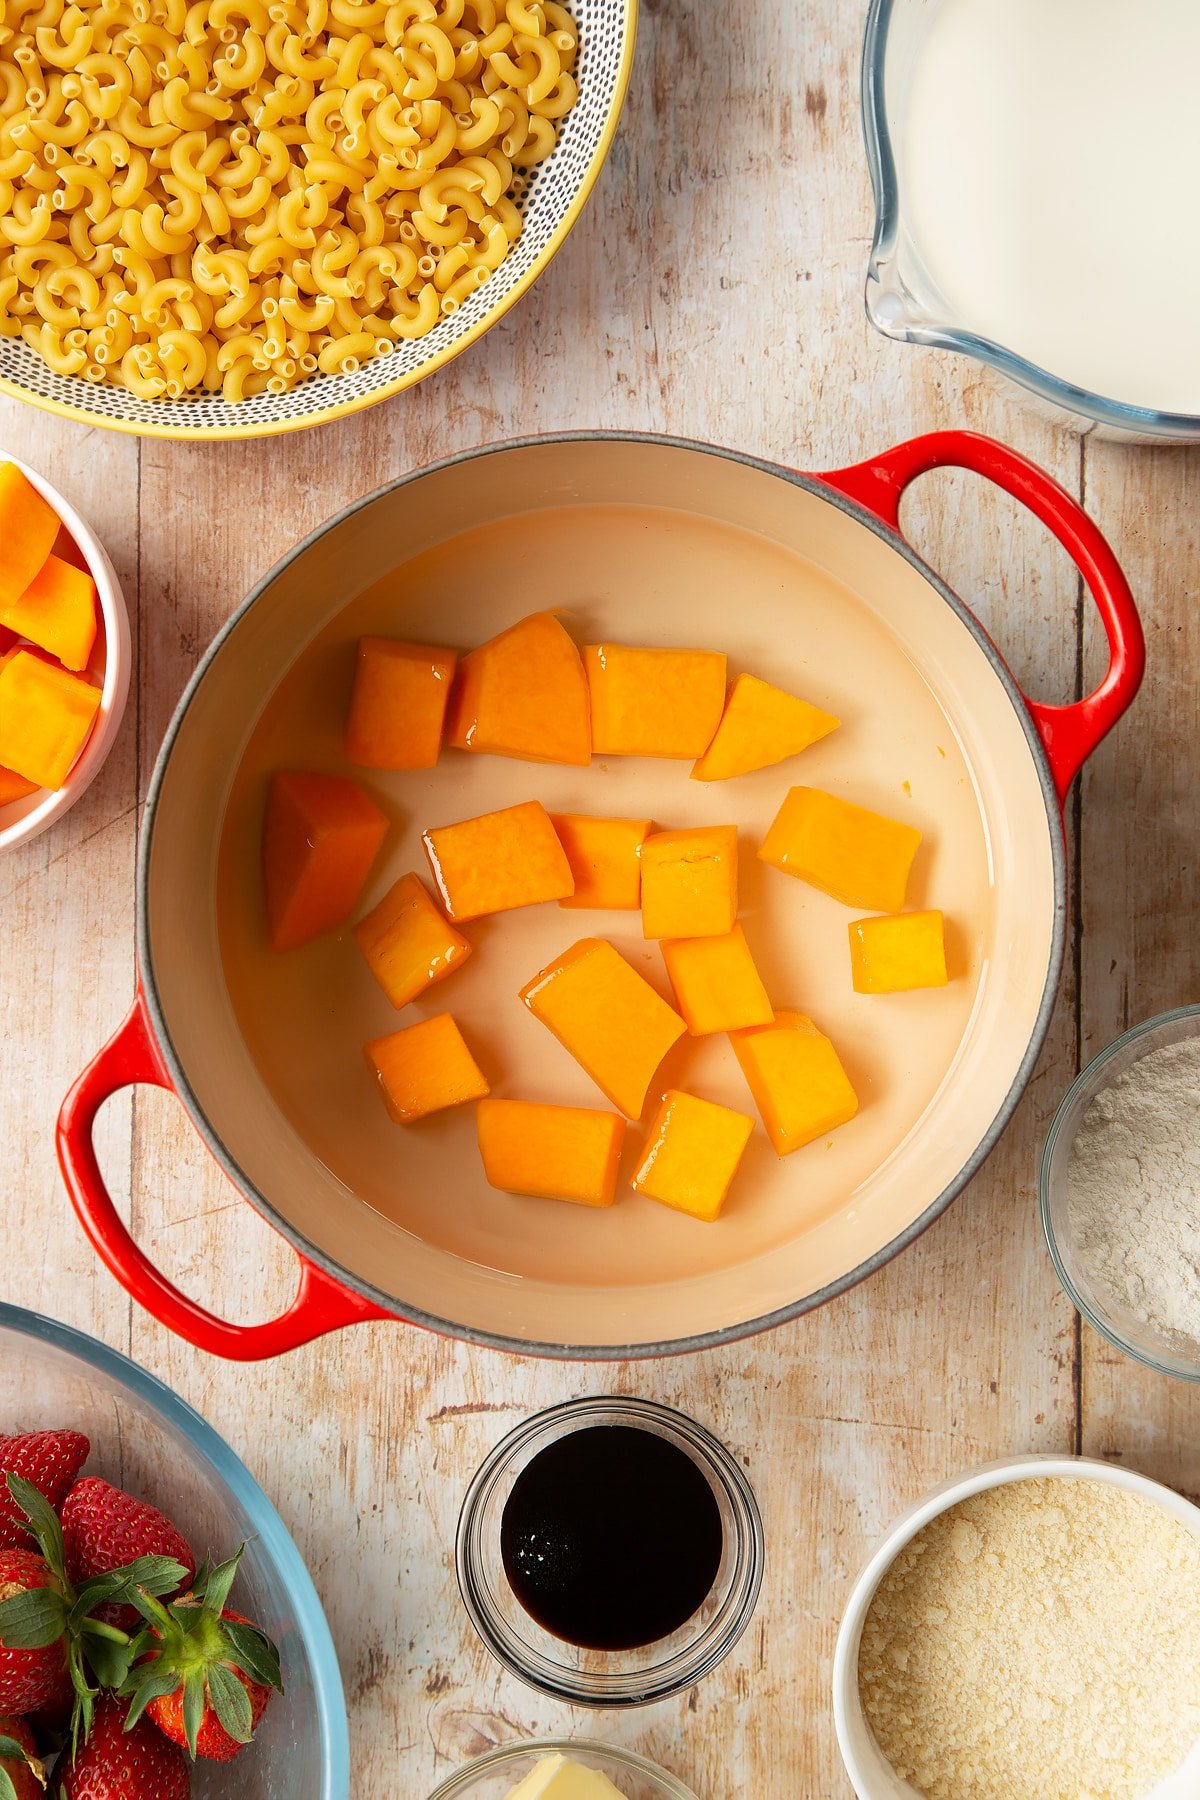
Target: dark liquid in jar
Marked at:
611, 1538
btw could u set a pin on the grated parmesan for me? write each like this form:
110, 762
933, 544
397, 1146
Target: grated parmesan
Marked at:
1039, 1641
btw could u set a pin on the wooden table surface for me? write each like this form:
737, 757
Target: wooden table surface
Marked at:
712, 289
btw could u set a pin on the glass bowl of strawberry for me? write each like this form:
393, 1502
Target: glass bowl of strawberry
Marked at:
152, 1596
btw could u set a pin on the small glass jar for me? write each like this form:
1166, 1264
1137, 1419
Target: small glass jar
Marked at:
493, 1777
1137, 1338
607, 1678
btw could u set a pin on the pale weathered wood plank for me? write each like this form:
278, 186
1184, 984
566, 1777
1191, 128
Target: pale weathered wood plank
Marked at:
1142, 874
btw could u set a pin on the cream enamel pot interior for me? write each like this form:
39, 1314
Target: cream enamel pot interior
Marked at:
805, 579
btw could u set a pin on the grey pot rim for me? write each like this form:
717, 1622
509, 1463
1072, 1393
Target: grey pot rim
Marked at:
405, 1312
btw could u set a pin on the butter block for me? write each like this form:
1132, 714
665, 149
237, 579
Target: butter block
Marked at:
895, 954
558, 1778
796, 1077
692, 1154
858, 856
689, 882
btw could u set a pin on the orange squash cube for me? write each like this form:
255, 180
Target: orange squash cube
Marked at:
28, 528
761, 725
692, 1154
608, 1016
654, 702
46, 714
795, 1075
524, 694
717, 987
424, 1068
893, 955
398, 703
603, 854
57, 611
551, 1152
858, 856
14, 787
689, 882
408, 943
499, 861
321, 833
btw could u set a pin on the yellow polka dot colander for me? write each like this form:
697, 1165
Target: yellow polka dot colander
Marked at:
549, 195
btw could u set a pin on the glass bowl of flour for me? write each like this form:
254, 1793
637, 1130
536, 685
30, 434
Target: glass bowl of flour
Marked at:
1120, 1193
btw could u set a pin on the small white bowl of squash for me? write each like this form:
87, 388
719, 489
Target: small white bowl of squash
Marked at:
65, 653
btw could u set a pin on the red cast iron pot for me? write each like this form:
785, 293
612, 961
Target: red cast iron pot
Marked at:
805, 578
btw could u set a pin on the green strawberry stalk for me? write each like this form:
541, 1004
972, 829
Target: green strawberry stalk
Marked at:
202, 1672
51, 1617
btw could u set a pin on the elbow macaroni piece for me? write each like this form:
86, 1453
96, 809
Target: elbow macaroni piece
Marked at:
232, 195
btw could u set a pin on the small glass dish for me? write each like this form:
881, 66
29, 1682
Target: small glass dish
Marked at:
606, 1678
493, 1777
1122, 1328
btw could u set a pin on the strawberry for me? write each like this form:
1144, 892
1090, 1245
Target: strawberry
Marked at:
22, 1776
105, 1529
207, 1673
117, 1764
48, 1626
50, 1460
33, 1643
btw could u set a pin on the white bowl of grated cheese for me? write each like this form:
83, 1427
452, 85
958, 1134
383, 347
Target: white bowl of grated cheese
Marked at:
1120, 1193
1029, 1630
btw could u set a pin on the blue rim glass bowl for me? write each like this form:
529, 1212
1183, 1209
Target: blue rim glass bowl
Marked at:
902, 299
493, 1777
1154, 1349
148, 1440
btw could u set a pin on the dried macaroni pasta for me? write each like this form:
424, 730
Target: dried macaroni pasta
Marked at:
234, 194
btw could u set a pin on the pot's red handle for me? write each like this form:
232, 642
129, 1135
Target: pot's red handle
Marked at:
320, 1305
1070, 733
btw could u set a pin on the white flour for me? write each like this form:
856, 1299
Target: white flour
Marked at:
1134, 1190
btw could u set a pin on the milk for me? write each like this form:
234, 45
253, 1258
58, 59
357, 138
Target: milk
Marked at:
1049, 153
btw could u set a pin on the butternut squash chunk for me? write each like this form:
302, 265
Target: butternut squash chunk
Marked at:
796, 1077
46, 714
321, 834
761, 725
398, 703
689, 882
408, 944
57, 611
524, 694
424, 1068
692, 1154
28, 528
654, 702
603, 854
717, 987
552, 1152
499, 861
608, 1016
858, 856
895, 954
